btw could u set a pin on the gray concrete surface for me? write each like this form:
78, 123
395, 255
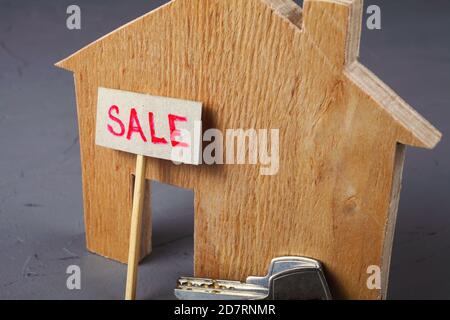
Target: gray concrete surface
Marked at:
41, 216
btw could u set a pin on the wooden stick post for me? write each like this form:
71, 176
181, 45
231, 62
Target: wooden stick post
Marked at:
135, 232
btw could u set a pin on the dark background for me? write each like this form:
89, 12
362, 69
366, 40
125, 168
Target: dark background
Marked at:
41, 216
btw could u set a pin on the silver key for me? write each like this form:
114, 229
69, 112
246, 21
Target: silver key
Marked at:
289, 278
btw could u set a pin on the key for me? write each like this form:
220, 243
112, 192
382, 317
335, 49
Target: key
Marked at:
289, 278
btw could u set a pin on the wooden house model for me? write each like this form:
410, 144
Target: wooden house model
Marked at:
259, 64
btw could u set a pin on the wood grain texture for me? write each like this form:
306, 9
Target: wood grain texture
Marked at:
392, 217
258, 64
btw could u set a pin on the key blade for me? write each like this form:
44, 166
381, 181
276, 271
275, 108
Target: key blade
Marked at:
208, 289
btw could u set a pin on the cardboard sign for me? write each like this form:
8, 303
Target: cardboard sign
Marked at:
157, 127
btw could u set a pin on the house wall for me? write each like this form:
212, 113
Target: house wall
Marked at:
331, 196
107, 185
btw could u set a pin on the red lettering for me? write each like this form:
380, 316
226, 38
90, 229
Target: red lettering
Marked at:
116, 120
176, 133
155, 139
135, 126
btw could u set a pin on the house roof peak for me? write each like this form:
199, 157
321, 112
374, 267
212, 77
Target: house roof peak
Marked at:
330, 27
